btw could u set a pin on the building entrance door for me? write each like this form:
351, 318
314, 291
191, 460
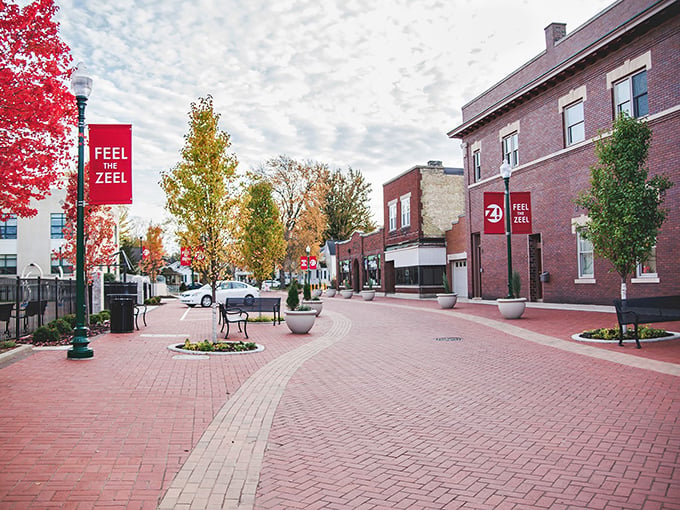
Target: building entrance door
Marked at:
476, 274
459, 273
535, 268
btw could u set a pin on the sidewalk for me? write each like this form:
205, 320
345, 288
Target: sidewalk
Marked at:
368, 411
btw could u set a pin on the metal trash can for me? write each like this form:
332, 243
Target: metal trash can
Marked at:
122, 313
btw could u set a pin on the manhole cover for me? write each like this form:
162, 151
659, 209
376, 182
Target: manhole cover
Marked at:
449, 339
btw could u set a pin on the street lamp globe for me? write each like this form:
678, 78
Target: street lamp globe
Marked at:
505, 170
81, 83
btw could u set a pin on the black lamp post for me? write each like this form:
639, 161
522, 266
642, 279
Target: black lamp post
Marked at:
81, 86
506, 170
307, 275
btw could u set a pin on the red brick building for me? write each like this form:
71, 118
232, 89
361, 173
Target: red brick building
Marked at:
543, 119
359, 259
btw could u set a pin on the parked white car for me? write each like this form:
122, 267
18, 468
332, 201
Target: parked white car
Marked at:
203, 296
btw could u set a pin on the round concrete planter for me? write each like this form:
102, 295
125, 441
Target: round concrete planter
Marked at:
368, 295
317, 293
300, 322
347, 293
447, 300
330, 292
314, 305
512, 308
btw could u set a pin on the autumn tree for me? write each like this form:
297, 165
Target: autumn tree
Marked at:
623, 204
152, 252
346, 205
263, 246
36, 108
99, 228
202, 196
296, 187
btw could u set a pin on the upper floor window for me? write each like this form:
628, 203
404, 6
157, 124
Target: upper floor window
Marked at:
630, 95
57, 222
57, 261
477, 165
406, 210
392, 215
8, 264
574, 125
647, 269
585, 258
511, 149
8, 228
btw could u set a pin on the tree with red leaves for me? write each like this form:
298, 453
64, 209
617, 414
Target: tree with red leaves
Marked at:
153, 252
37, 110
100, 229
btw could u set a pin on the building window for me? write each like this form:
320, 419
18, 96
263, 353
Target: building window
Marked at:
647, 269
406, 210
477, 165
630, 95
8, 229
392, 214
585, 258
372, 266
56, 261
57, 222
8, 264
511, 149
574, 125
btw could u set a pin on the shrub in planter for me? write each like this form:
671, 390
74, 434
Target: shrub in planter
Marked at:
293, 300
45, 334
306, 292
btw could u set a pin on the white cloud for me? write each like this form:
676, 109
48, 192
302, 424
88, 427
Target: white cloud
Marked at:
372, 85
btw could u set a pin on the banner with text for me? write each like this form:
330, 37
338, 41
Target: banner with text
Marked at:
494, 212
110, 164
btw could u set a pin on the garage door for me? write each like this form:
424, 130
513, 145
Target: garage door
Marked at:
459, 272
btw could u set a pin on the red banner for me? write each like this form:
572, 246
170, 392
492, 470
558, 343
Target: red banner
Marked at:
520, 205
146, 253
312, 262
494, 212
110, 164
185, 256
303, 263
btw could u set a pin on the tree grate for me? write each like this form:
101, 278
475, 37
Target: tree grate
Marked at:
449, 339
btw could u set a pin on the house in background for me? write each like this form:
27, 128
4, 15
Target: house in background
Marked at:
543, 119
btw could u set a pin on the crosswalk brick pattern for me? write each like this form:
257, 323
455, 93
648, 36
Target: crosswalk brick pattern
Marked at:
368, 411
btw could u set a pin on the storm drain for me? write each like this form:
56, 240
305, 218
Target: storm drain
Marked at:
449, 339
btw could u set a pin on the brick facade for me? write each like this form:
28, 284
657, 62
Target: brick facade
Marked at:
361, 257
626, 37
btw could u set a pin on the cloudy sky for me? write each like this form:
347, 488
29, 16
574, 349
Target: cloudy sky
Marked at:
371, 84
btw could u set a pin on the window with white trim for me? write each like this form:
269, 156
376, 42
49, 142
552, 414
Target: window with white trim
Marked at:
574, 125
511, 149
477, 165
405, 210
392, 215
585, 257
630, 95
647, 269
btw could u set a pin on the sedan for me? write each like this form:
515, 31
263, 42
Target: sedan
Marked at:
229, 289
270, 284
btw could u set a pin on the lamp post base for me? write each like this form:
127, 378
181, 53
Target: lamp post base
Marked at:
80, 349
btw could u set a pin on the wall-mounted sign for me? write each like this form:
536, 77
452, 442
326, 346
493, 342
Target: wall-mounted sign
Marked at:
110, 164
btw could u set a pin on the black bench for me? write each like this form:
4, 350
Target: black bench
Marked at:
641, 310
6, 315
233, 315
32, 308
257, 304
140, 310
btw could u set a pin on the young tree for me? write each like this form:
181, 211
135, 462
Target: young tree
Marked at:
624, 206
36, 107
153, 252
346, 205
99, 229
201, 194
263, 244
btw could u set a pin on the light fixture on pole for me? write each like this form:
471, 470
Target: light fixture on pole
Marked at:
81, 86
506, 170
307, 275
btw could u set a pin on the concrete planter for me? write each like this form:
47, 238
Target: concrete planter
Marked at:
317, 306
512, 308
317, 293
300, 322
447, 300
330, 292
368, 295
347, 293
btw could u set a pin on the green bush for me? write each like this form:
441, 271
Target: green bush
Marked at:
45, 334
306, 292
644, 332
293, 300
62, 326
105, 315
155, 300
7, 344
71, 319
208, 346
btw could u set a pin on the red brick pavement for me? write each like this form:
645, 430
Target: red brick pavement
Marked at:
388, 417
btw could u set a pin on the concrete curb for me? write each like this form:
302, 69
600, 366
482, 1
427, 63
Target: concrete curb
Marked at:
19, 351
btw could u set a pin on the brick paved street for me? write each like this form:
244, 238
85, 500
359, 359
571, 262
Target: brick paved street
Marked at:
386, 404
